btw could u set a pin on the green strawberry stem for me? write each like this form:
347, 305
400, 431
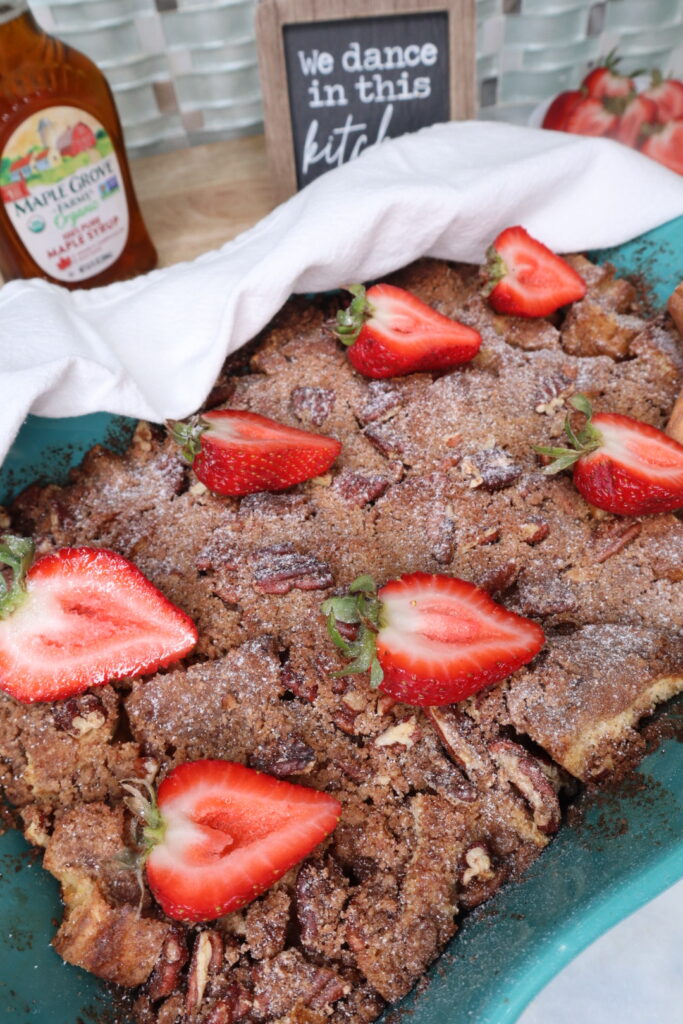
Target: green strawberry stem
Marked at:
350, 320
17, 554
494, 270
188, 435
363, 608
587, 440
142, 804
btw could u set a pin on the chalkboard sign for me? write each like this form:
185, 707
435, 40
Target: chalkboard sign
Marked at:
340, 76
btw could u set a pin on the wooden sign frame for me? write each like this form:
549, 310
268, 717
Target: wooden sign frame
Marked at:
273, 15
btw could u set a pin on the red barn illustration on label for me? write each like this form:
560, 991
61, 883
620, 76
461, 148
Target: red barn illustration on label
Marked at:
76, 140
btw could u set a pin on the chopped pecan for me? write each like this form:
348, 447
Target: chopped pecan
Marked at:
620, 539
233, 1005
443, 531
280, 569
220, 551
287, 980
207, 959
490, 468
533, 531
313, 405
345, 719
553, 390
478, 864
166, 973
358, 488
405, 733
298, 684
457, 733
79, 715
500, 578
385, 439
525, 773
283, 757
489, 535
321, 893
383, 402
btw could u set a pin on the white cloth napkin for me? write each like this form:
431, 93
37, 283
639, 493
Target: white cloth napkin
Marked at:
152, 347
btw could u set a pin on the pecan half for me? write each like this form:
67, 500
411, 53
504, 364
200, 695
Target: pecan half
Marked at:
280, 569
525, 773
490, 468
358, 488
207, 958
166, 973
457, 734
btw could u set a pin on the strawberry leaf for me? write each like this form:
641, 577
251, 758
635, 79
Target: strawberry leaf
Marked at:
350, 320
364, 584
376, 674
345, 609
188, 436
17, 554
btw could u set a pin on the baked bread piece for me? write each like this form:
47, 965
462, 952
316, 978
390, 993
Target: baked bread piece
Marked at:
437, 474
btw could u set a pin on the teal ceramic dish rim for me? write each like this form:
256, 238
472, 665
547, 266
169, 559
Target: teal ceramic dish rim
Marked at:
532, 939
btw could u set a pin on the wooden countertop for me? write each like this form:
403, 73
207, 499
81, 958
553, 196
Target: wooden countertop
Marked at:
196, 199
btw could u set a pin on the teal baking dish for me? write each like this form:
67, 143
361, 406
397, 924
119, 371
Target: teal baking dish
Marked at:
626, 847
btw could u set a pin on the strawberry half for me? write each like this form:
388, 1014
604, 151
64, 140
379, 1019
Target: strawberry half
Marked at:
525, 278
620, 464
559, 110
665, 145
592, 117
667, 96
219, 834
391, 333
81, 617
638, 112
430, 640
605, 81
235, 452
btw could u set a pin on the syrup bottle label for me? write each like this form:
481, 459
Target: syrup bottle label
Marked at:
63, 191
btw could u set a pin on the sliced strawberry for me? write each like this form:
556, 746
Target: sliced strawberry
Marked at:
220, 834
430, 640
81, 617
667, 96
666, 145
591, 117
525, 278
638, 112
391, 333
235, 452
559, 110
620, 464
606, 81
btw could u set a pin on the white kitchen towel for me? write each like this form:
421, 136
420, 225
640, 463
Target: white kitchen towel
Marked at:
152, 347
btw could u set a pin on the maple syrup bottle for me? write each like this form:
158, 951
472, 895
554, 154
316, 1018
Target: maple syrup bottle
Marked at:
68, 211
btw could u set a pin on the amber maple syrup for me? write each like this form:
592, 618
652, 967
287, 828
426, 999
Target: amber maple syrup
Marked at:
68, 210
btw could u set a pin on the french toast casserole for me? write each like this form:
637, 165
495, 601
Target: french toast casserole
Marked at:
440, 806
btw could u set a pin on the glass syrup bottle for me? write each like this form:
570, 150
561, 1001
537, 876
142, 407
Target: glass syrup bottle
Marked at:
68, 211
